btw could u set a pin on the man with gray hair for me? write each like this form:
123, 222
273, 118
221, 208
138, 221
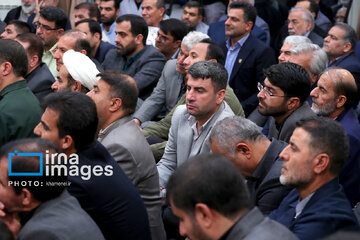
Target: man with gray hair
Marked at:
171, 85
191, 123
300, 50
301, 22
78, 73
255, 157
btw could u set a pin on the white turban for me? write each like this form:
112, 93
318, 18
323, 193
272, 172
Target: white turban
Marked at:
81, 68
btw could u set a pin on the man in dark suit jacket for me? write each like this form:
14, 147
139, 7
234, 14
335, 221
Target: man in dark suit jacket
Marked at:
225, 207
283, 97
46, 211
93, 33
142, 62
336, 97
39, 78
100, 185
255, 157
246, 56
339, 45
317, 207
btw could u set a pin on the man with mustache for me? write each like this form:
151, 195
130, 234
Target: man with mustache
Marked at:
49, 28
336, 97
283, 97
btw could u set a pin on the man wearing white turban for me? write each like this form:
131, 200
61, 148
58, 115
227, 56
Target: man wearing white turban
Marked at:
78, 73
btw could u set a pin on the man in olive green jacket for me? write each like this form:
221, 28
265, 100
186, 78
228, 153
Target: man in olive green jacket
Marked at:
20, 111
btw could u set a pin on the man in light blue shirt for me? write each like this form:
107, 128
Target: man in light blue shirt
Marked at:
109, 10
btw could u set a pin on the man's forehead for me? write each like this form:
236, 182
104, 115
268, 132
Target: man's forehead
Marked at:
200, 48
192, 9
46, 22
83, 11
297, 14
124, 26
337, 32
236, 12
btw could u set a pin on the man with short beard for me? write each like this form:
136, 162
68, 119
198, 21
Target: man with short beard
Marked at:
142, 62
109, 10
336, 97
283, 97
49, 28
317, 207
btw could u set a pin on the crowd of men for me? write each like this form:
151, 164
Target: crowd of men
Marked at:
238, 119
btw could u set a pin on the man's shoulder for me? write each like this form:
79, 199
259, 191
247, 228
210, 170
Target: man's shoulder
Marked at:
68, 215
106, 46
255, 226
349, 61
304, 111
351, 124
151, 51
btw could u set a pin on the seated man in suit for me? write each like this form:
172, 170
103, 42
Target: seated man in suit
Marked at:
38, 78
245, 55
70, 121
191, 124
283, 97
15, 28
193, 15
222, 211
171, 85
260, 30
77, 73
255, 157
142, 62
93, 32
336, 97
317, 207
169, 36
46, 211
115, 96
339, 45
301, 22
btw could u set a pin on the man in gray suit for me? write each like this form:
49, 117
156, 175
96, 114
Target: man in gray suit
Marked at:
46, 211
191, 123
283, 97
115, 96
142, 62
171, 85
222, 211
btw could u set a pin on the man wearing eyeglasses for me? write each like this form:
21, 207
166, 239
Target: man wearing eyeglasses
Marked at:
283, 97
49, 28
170, 34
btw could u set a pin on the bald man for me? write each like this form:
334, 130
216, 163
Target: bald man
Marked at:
336, 97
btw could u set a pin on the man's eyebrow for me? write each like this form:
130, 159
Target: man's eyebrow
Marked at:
44, 124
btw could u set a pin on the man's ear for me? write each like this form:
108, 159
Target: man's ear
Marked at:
340, 101
6, 68
203, 215
76, 87
321, 163
139, 39
116, 104
66, 142
347, 47
34, 60
59, 33
162, 11
177, 44
243, 149
220, 95
293, 103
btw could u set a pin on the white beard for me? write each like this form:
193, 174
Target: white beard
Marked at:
28, 9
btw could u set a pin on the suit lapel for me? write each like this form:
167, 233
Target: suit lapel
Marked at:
241, 57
